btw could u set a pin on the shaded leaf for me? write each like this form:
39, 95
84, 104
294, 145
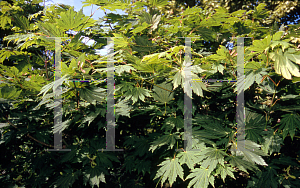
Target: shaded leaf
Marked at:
162, 95
169, 139
272, 144
224, 171
288, 124
241, 164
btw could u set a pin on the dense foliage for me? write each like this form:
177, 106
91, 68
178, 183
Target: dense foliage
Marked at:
149, 105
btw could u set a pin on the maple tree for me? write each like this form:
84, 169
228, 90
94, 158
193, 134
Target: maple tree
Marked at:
149, 97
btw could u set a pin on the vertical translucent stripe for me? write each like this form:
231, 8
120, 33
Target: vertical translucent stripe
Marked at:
187, 96
57, 100
240, 110
110, 115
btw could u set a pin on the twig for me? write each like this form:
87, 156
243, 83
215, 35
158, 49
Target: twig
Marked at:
159, 86
28, 135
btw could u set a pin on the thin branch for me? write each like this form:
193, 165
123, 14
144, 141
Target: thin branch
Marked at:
159, 86
28, 135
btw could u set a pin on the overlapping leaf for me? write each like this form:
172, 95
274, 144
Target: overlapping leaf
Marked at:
272, 144
137, 93
266, 178
9, 92
197, 86
251, 152
169, 139
162, 93
225, 171
190, 158
124, 68
67, 179
212, 157
72, 20
94, 176
91, 94
241, 164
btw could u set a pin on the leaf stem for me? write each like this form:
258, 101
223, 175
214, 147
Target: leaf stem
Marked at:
158, 181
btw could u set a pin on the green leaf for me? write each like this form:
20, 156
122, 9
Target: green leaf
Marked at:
241, 164
190, 158
284, 63
137, 93
162, 95
93, 115
143, 44
53, 85
207, 33
172, 122
58, 128
120, 41
177, 79
238, 13
288, 124
105, 159
254, 73
272, 144
4, 21
201, 178
289, 97
254, 126
94, 176
50, 29
124, 68
260, 11
170, 170
251, 152
122, 109
266, 178
212, 157
261, 46
124, 86
65, 70
67, 179
159, 3
224, 171
169, 139
9, 92
197, 86
4, 54
268, 86
142, 166
72, 20
139, 144
69, 156
213, 130
92, 94
22, 22
18, 38
283, 44
140, 28
222, 54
